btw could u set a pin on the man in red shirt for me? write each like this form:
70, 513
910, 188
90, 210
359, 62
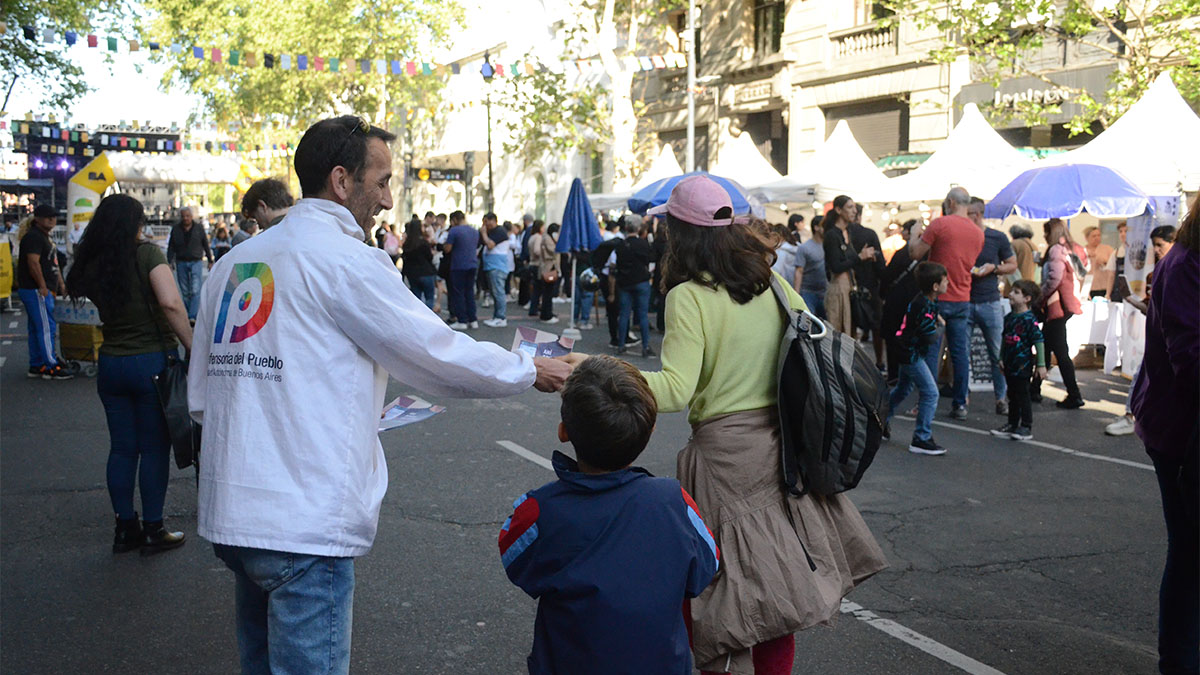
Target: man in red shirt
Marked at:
954, 241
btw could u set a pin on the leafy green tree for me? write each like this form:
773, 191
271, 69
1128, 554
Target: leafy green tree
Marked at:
550, 118
45, 69
263, 105
1003, 38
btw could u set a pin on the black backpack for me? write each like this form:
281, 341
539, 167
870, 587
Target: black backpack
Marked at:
831, 398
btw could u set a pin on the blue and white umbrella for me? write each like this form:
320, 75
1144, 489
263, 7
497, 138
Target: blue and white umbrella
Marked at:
1066, 191
658, 192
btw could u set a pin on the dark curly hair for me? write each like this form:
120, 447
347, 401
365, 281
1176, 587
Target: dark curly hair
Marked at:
107, 252
737, 257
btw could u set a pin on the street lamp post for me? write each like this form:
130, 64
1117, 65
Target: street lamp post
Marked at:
690, 44
488, 71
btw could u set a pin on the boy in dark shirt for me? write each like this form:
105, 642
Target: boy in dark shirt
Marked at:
917, 349
609, 551
1020, 338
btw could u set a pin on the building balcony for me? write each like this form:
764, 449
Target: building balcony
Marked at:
862, 43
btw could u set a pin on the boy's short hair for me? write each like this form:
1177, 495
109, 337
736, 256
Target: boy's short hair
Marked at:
929, 275
608, 411
1028, 289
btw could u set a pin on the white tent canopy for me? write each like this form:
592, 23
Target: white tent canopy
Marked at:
839, 166
1156, 143
973, 156
665, 165
740, 160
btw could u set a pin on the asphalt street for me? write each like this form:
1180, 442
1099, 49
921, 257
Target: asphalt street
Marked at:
1010, 557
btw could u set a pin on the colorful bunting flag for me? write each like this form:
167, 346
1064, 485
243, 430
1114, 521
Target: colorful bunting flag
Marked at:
302, 62
112, 44
93, 41
395, 67
381, 66
216, 55
235, 58
134, 46
154, 46
410, 67
268, 60
48, 35
333, 65
249, 59
285, 61
198, 52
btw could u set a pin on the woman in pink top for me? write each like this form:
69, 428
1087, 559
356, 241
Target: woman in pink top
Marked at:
1060, 302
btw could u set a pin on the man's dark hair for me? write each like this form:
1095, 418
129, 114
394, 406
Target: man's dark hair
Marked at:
489, 216
441, 215
794, 221
1164, 232
338, 141
428, 214
608, 411
1028, 289
929, 275
976, 200
458, 217
269, 191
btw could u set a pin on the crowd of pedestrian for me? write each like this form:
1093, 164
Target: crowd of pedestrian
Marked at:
294, 474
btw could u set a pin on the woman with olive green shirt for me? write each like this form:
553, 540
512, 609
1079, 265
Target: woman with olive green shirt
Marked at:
786, 561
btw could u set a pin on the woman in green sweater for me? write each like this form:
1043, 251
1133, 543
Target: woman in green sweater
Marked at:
786, 561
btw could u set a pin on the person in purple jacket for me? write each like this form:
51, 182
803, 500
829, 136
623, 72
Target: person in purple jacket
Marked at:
1166, 397
609, 551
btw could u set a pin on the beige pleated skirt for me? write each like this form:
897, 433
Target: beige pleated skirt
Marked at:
765, 588
837, 303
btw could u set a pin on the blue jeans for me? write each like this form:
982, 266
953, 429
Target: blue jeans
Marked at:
958, 339
189, 276
294, 611
136, 431
43, 331
989, 316
462, 295
425, 288
583, 304
815, 301
497, 279
921, 376
636, 298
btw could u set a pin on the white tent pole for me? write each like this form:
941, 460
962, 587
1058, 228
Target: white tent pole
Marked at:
571, 331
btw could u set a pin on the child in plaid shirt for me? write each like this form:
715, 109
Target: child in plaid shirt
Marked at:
1021, 339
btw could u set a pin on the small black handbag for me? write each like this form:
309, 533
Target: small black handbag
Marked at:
171, 385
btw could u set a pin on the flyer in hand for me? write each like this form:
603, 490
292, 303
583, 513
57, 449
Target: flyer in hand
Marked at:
407, 410
535, 343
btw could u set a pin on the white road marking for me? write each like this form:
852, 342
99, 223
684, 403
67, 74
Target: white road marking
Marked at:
12, 324
1047, 446
7, 342
925, 644
522, 452
931, 647
2, 360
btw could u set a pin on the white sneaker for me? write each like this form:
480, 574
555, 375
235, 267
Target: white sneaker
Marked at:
496, 323
559, 301
587, 325
458, 325
474, 324
1123, 426
553, 319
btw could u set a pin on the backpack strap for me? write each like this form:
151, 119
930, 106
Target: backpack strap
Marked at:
803, 321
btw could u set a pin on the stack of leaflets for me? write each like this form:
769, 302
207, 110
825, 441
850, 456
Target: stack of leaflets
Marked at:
406, 410
537, 343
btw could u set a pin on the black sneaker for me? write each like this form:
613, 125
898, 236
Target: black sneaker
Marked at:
648, 353
631, 341
1070, 403
35, 373
1004, 431
887, 431
1021, 434
929, 447
57, 373
958, 412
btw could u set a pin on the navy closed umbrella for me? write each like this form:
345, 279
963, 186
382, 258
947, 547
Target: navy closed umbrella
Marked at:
580, 232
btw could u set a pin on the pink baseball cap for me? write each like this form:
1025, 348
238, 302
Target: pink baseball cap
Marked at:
696, 200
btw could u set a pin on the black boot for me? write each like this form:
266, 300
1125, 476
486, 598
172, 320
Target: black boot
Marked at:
155, 539
128, 535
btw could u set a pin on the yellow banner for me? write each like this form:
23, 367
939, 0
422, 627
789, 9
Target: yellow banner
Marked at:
96, 176
6, 269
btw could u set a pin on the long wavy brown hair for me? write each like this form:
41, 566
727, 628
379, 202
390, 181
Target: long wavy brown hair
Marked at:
737, 257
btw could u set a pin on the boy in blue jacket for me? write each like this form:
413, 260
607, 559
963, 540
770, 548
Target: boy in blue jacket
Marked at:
609, 551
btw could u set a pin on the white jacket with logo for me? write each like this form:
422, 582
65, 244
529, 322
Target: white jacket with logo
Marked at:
297, 332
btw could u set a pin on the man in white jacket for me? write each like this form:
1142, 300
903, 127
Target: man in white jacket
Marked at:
298, 331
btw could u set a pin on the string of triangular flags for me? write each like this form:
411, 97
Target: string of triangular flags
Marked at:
395, 67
